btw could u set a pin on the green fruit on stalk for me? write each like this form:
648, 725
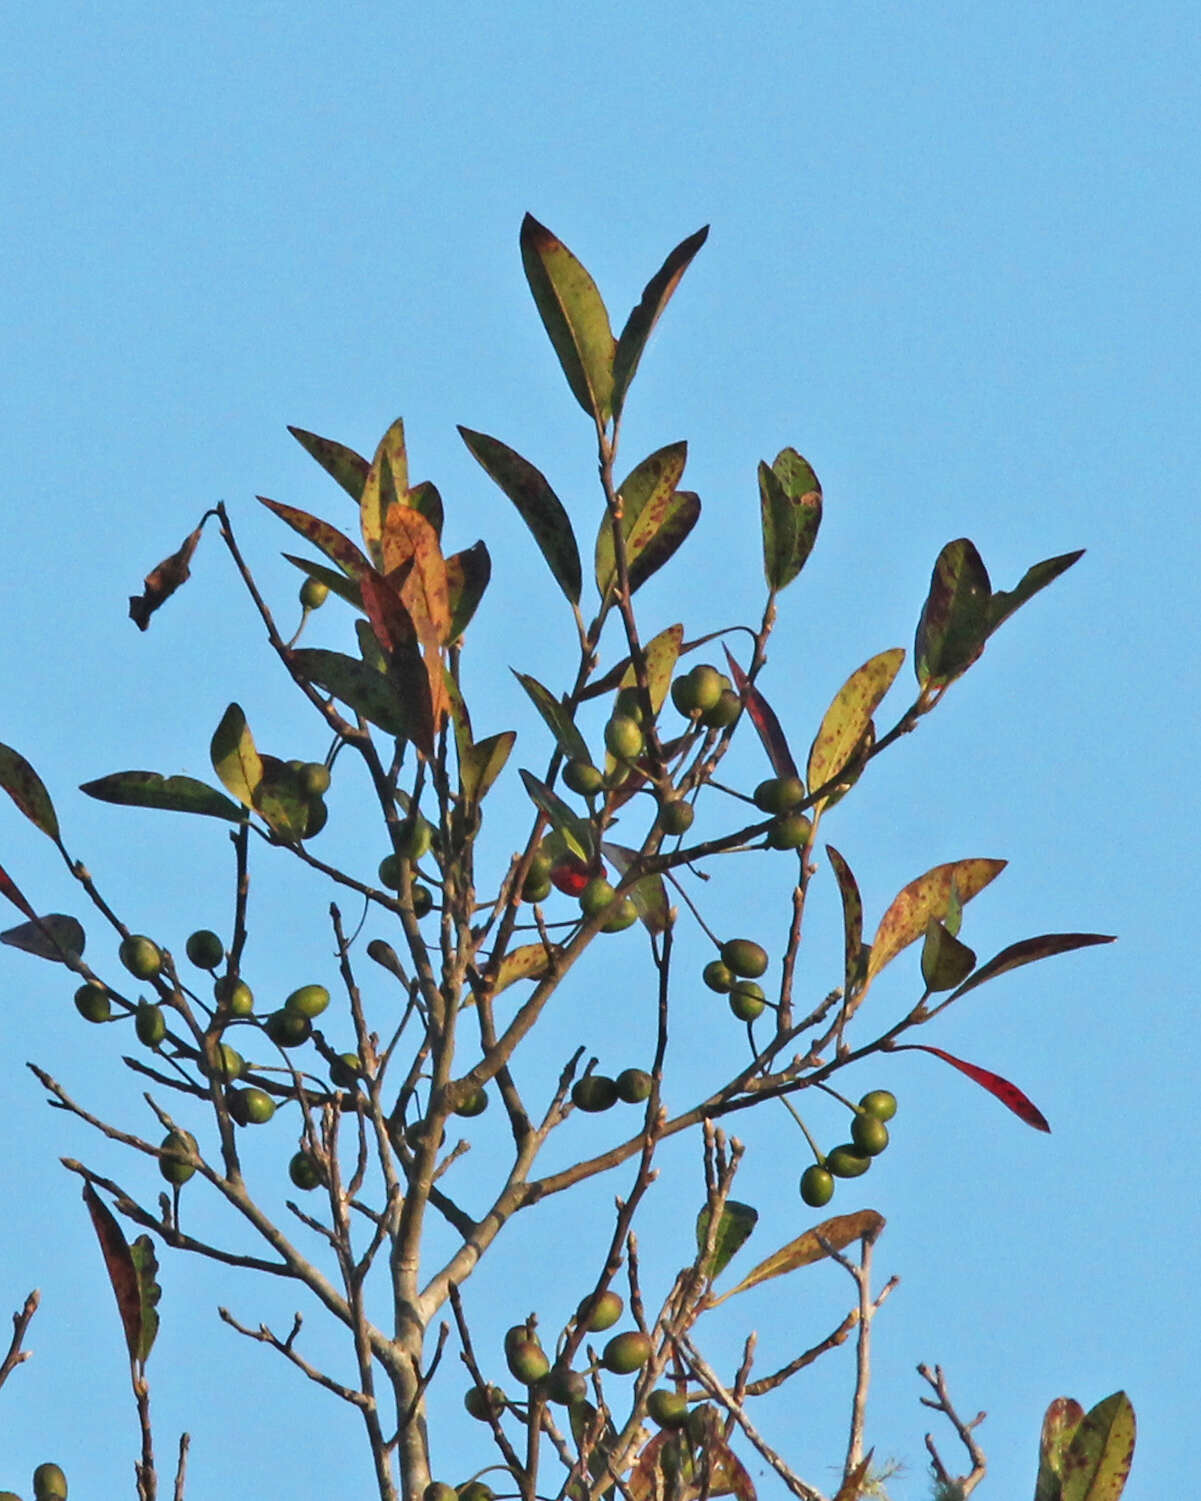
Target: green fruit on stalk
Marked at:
627, 1352
881, 1103
596, 896
667, 1408
423, 899
791, 831
583, 777
150, 1024
535, 888
528, 1361
675, 815
439, 1490
634, 1085
140, 956
288, 1029
779, 794
304, 1171
869, 1133
250, 1107
847, 1161
309, 1000
313, 593
565, 1386
476, 1490
205, 949
724, 712
9, 1496
314, 778
605, 1312
594, 1093
817, 1186
233, 996
227, 1063
718, 976
475, 1103
414, 839
483, 1402
173, 1164
49, 1483
743, 957
629, 703
622, 915
697, 691
345, 1070
747, 1000
624, 738
92, 1002
318, 815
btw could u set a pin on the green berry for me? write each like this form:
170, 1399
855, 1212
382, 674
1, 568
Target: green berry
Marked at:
744, 957
817, 1186
476, 1490
527, 1360
345, 1070
475, 1103
624, 738
49, 1483
313, 593
847, 1161
227, 1063
423, 899
415, 839
634, 1085
594, 1093
747, 1000
706, 686
605, 1311
234, 995
173, 1164
790, 831
150, 1024
439, 1490
582, 777
629, 703
565, 1386
304, 1171
675, 815
535, 888
318, 816
389, 872
667, 1408
205, 949
724, 712
627, 1352
881, 1103
250, 1107
309, 1000
314, 778
92, 1003
779, 794
596, 896
869, 1133
718, 976
622, 915
140, 956
288, 1029
483, 1402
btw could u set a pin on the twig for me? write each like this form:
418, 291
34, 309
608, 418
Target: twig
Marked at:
285, 1347
185, 1440
941, 1402
21, 1321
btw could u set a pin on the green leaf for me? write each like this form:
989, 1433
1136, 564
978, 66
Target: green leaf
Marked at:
426, 498
27, 790
336, 583
339, 549
574, 316
577, 834
530, 961
57, 937
1063, 1417
926, 897
1005, 601
1097, 1464
790, 503
1028, 951
234, 757
661, 654
540, 508
346, 466
733, 1229
280, 800
646, 496
838, 1233
366, 690
557, 717
847, 719
480, 764
854, 958
954, 622
641, 322
467, 575
150, 789
145, 1265
766, 721
387, 484
648, 894
132, 1279
945, 961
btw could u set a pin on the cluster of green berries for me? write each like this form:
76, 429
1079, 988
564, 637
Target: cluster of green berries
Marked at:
707, 697
414, 841
783, 796
49, 1484
596, 1092
869, 1137
736, 975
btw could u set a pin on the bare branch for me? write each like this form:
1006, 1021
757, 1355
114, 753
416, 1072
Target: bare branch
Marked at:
21, 1321
941, 1402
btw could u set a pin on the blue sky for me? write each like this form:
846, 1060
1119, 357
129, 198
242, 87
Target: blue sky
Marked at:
953, 261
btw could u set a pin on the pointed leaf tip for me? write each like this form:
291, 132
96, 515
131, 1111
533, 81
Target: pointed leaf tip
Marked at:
996, 1084
27, 790
573, 315
641, 322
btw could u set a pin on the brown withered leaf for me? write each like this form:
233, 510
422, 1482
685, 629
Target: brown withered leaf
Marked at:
161, 582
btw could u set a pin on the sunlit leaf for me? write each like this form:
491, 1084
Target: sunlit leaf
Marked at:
733, 1230
1005, 601
576, 833
27, 790
847, 719
702, 1468
642, 320
387, 484
337, 583
426, 498
766, 723
328, 539
234, 757
364, 689
480, 764
1097, 1464
410, 543
280, 800
954, 622
926, 897
467, 575
530, 961
132, 1279
945, 960
557, 718
414, 669
150, 789
649, 894
540, 508
573, 315
1009, 1094
1028, 951
342, 463
57, 937
646, 497
163, 580
790, 503
1063, 1417
839, 1232
854, 959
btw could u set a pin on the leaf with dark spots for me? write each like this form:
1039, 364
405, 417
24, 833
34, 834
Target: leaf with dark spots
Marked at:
954, 622
481, 763
362, 687
646, 495
573, 315
929, 896
837, 1234
467, 575
763, 717
337, 583
387, 485
641, 322
1098, 1459
790, 502
529, 961
150, 789
426, 498
557, 718
132, 1278
854, 958
416, 673
328, 539
1009, 1094
1005, 601
342, 463
27, 790
57, 937
10, 889
538, 505
234, 757
410, 543
162, 581
849, 717
280, 801
1029, 951
576, 832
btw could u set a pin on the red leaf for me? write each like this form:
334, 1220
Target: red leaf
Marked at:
763, 717
120, 1265
1008, 1094
13, 892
